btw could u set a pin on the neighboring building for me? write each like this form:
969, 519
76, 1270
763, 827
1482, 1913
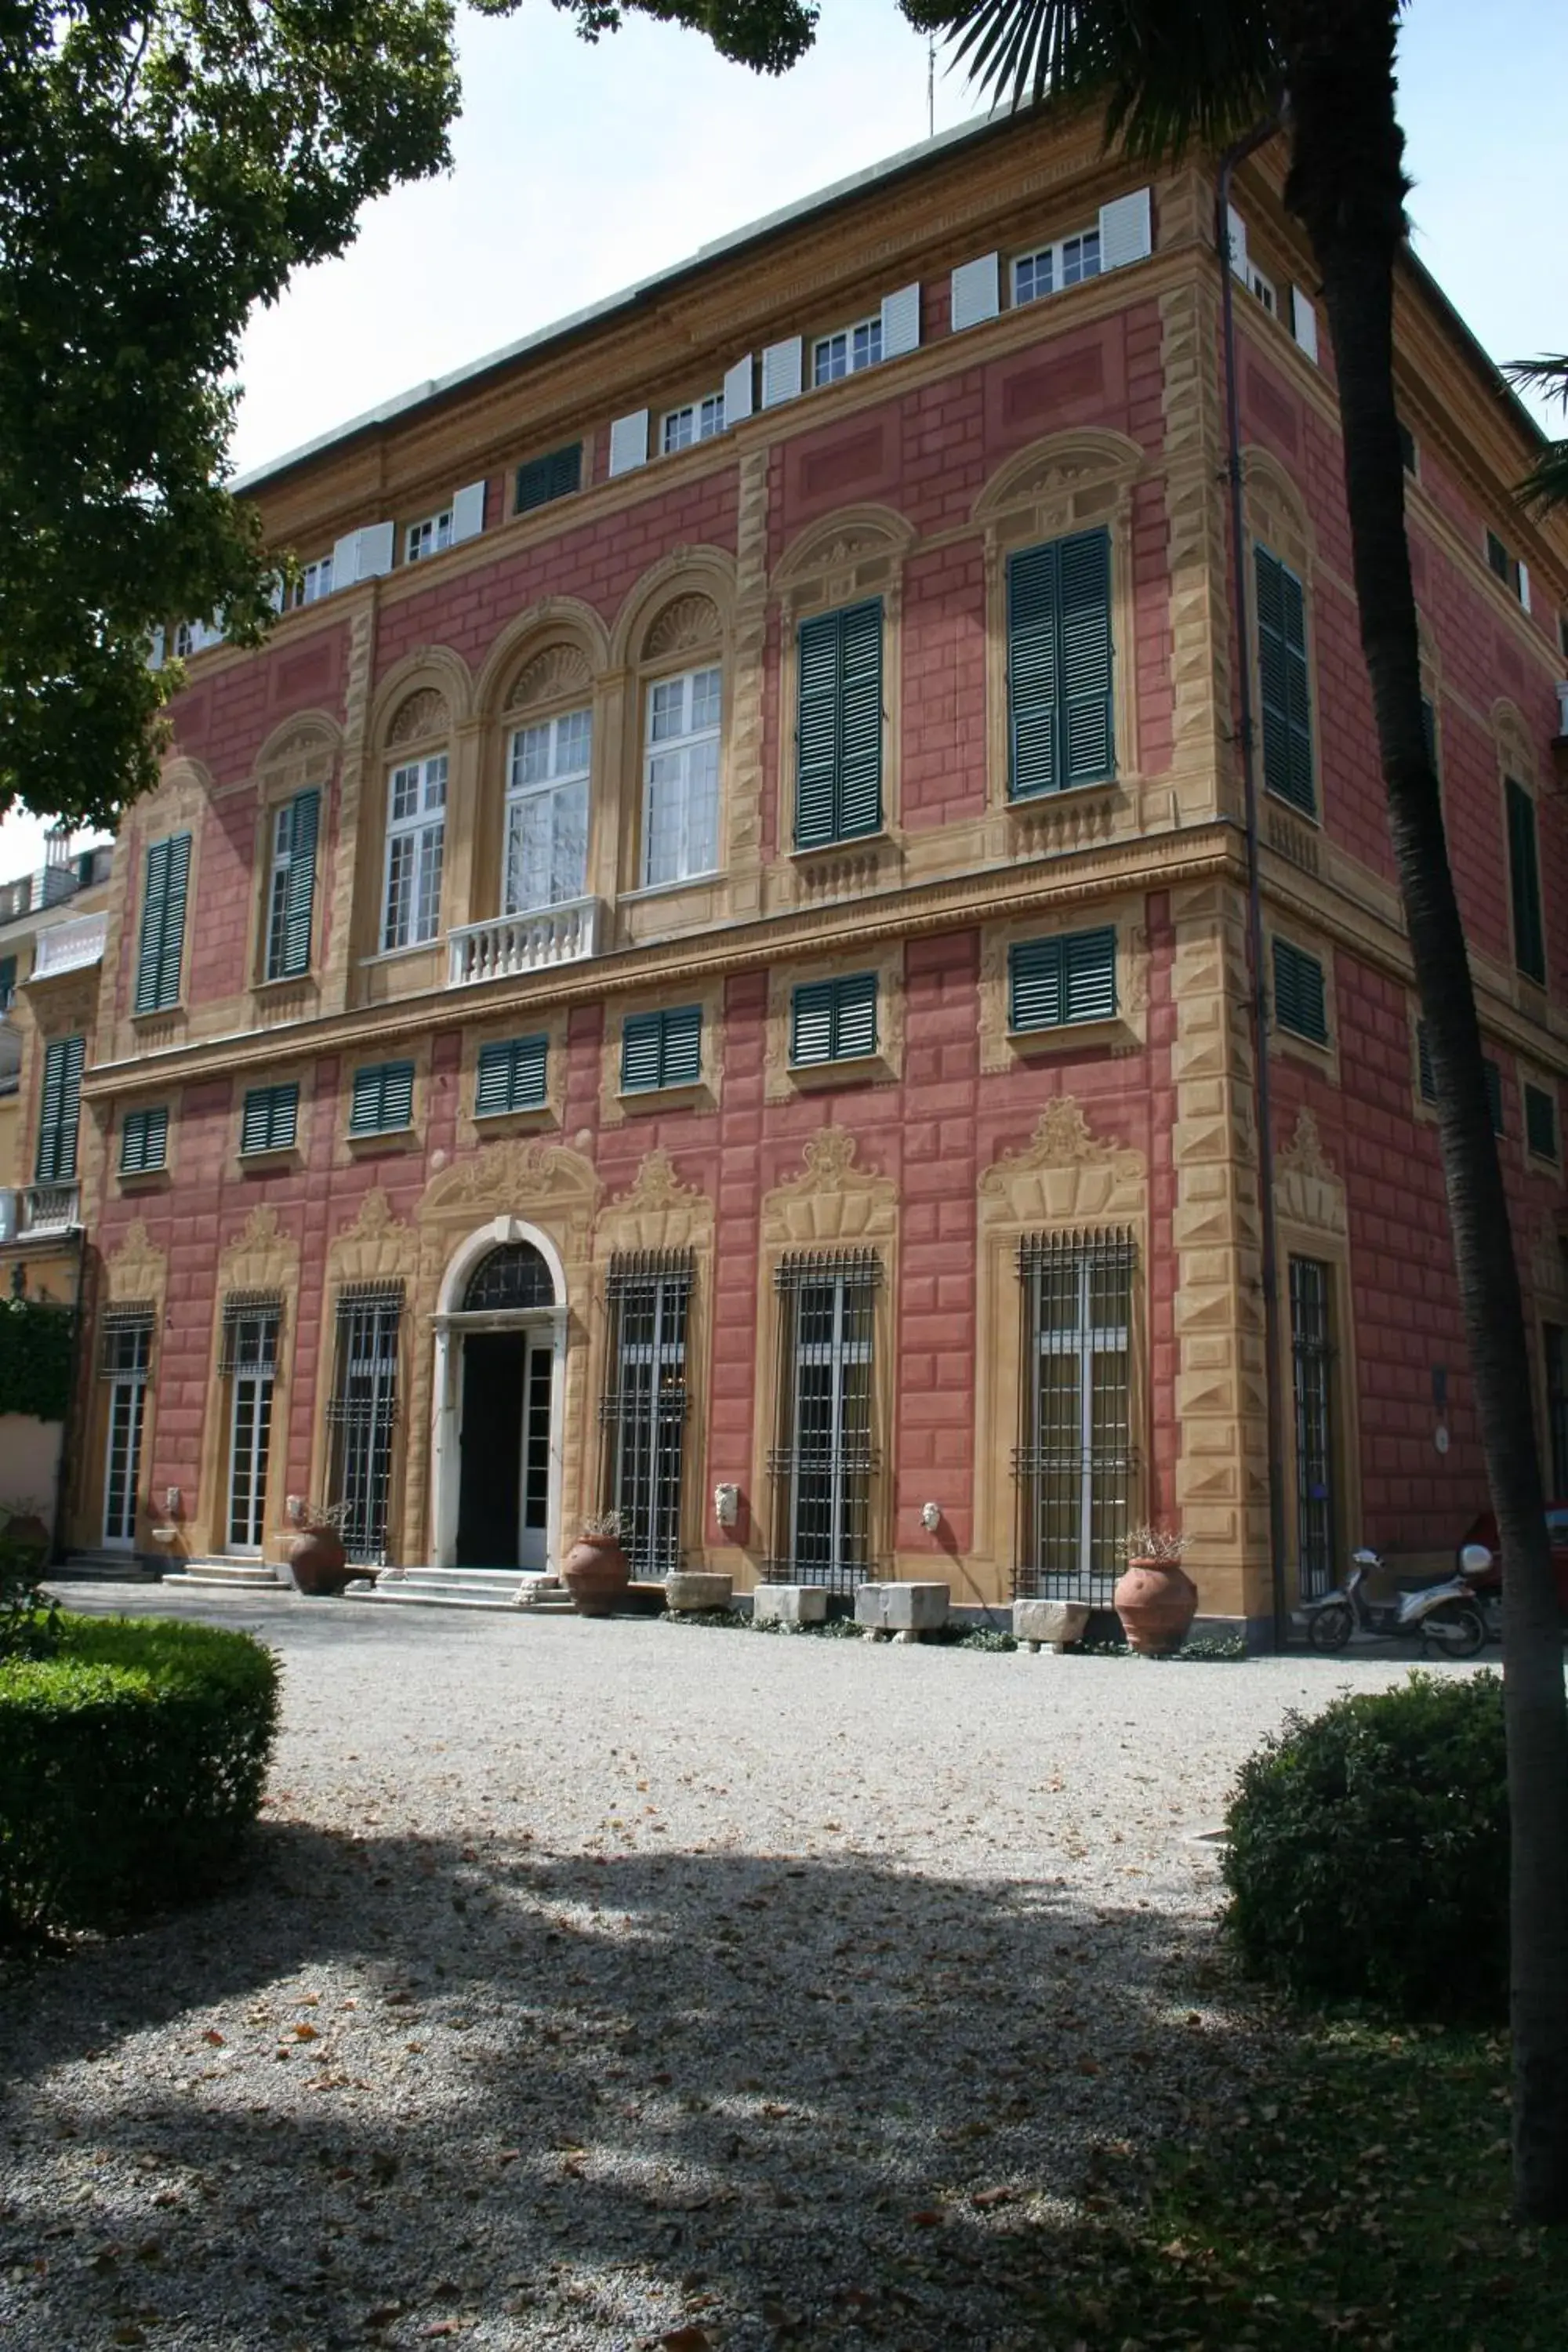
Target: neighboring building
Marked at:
51, 943
708, 951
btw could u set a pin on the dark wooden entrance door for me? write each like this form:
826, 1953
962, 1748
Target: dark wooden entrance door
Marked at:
491, 1494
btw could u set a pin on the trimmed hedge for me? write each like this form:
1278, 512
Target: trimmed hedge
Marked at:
132, 1765
37, 1338
1369, 1853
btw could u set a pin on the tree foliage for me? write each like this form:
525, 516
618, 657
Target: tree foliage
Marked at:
1546, 484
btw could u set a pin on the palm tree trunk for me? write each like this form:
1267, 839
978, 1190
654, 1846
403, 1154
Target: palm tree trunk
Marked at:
1347, 187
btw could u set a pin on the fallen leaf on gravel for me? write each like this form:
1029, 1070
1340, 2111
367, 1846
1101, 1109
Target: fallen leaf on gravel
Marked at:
986, 2198
306, 2033
931, 2219
216, 2039
686, 2339
440, 2328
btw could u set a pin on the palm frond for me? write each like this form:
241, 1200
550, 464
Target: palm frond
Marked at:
1167, 72
1546, 375
1546, 484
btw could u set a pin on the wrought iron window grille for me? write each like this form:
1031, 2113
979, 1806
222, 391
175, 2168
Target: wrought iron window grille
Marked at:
825, 1463
363, 1413
1075, 1466
644, 1405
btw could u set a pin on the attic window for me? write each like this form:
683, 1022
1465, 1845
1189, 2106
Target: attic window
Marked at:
699, 420
1052, 267
844, 354
1508, 568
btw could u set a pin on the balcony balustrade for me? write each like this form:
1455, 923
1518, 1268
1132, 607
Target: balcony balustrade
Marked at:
67, 947
509, 946
47, 1210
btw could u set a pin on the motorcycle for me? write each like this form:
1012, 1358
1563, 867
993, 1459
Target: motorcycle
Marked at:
1448, 1615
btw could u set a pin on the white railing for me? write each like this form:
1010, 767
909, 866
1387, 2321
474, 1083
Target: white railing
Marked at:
66, 946
510, 945
48, 1209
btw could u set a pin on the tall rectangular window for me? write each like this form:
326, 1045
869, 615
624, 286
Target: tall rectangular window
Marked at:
643, 1408
1284, 689
145, 1140
1052, 983
362, 1414
547, 813
833, 1020
1060, 719
1074, 1463
166, 879
125, 1363
248, 1368
1312, 1354
661, 1049
382, 1098
680, 778
270, 1120
1541, 1122
543, 479
823, 1461
1301, 994
60, 1111
291, 886
1492, 1072
511, 1075
416, 844
1555, 1340
1524, 883
838, 726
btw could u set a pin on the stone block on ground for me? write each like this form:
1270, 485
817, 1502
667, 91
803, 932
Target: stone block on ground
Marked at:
790, 1604
1055, 1621
904, 1611
692, 1587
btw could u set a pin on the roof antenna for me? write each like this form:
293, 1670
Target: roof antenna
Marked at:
931, 84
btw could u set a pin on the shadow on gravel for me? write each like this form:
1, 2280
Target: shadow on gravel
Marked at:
397, 2089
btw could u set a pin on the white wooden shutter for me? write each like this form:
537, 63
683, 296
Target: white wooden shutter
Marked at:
628, 442
738, 391
1304, 323
1524, 585
363, 554
782, 371
900, 323
1238, 243
977, 291
1126, 230
155, 650
467, 512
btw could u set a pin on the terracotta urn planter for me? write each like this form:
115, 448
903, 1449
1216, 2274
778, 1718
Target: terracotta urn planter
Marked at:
1156, 1601
318, 1561
596, 1574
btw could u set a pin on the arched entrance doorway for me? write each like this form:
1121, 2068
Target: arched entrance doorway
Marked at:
507, 1382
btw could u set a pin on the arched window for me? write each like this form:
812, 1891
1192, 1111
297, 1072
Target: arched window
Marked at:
416, 825
680, 777
512, 1275
547, 811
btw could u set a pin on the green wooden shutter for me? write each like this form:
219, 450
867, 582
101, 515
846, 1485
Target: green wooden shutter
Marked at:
1494, 1093
60, 1111
1034, 984
143, 1141
1426, 1075
300, 889
7, 980
1524, 875
1282, 677
641, 1035
1300, 1002
511, 1076
163, 935
861, 726
554, 475
811, 1022
1541, 1122
1033, 606
854, 1016
492, 1085
382, 1098
1087, 732
270, 1118
680, 1047
1089, 976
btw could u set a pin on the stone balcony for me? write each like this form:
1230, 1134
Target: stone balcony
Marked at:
509, 946
67, 947
46, 1211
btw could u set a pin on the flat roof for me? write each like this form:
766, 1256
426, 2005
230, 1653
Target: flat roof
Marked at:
907, 158
892, 167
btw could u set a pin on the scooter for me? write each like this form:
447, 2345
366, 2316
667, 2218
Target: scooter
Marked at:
1446, 1615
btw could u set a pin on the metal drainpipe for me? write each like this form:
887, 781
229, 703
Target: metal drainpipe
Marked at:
1256, 138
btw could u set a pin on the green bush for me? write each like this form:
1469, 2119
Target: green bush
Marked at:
1368, 1854
132, 1764
38, 1340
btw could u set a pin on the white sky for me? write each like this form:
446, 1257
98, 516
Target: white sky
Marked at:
579, 170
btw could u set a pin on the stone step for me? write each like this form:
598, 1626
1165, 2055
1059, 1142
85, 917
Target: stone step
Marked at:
462, 1588
230, 1576
102, 1568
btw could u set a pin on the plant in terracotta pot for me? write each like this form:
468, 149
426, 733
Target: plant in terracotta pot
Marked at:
314, 1548
1155, 1599
595, 1571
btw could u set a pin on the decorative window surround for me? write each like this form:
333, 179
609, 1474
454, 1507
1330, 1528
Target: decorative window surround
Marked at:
535, 1044
785, 1077
662, 1056
1115, 1022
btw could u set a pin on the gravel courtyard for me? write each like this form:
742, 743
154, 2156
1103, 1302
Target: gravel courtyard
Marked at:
612, 1985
